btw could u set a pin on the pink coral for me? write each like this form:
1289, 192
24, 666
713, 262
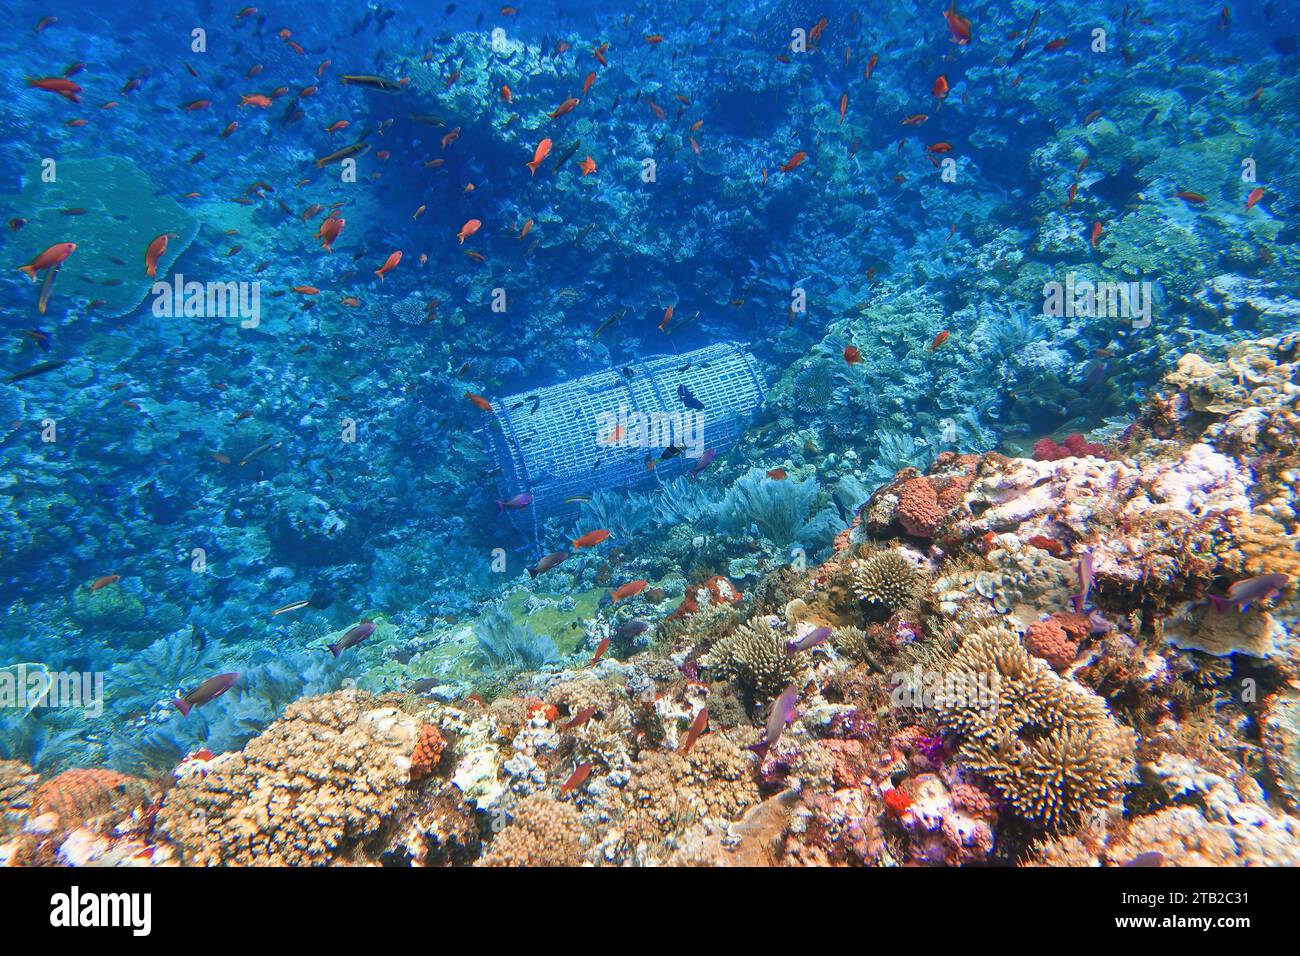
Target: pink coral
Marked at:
1048, 639
918, 507
1074, 445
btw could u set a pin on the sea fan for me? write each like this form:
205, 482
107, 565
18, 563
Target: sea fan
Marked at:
504, 644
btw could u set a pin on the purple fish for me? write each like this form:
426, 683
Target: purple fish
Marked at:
781, 714
1244, 593
522, 500
818, 636
1083, 567
705, 460
352, 638
210, 689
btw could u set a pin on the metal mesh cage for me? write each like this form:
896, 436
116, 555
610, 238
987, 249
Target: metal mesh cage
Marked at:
561, 441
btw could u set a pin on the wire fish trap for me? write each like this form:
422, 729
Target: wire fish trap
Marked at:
602, 432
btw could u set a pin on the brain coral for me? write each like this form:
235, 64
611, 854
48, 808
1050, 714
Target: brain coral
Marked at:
887, 579
318, 783
545, 832
754, 655
1048, 745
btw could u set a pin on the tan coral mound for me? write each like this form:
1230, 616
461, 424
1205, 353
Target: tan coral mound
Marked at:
545, 832
669, 793
1048, 745
18, 783
322, 780
886, 579
754, 656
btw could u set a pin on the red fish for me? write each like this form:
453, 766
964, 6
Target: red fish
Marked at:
942, 147
668, 317
1057, 44
1096, 234
601, 648
940, 88
471, 226
154, 253
852, 355
389, 264
697, 727
57, 84
591, 539
329, 232
579, 775
254, 99
586, 83
958, 25
479, 401
777, 474
1196, 199
506, 95
631, 589
543, 150
939, 339
844, 105
916, 119
51, 257
104, 582
1255, 196
565, 107
794, 161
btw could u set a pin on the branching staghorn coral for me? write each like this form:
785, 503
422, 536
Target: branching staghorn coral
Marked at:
1049, 746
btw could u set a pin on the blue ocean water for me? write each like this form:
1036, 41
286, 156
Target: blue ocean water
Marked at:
319, 305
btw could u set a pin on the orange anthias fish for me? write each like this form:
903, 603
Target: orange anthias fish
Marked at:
777, 474
57, 84
794, 161
329, 232
1195, 199
958, 25
254, 99
591, 539
565, 107
528, 227
479, 401
506, 95
1255, 196
668, 317
588, 166
654, 39
1096, 234
916, 119
543, 150
852, 355
631, 589
939, 339
389, 265
940, 88
586, 84
105, 581
844, 105
601, 648
154, 253
306, 290
471, 226
579, 775
51, 257
698, 725
942, 147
